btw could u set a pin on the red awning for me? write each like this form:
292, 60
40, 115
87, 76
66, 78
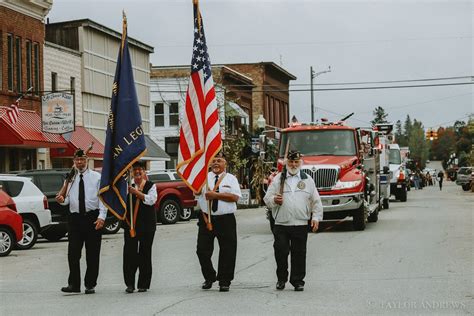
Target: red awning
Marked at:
80, 138
27, 131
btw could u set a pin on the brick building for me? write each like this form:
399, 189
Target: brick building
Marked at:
22, 145
168, 97
271, 94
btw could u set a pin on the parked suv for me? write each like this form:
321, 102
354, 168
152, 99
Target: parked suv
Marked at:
463, 177
175, 200
11, 230
50, 181
31, 204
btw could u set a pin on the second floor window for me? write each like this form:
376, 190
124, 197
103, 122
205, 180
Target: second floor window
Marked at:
174, 114
10, 61
54, 82
28, 65
18, 64
159, 115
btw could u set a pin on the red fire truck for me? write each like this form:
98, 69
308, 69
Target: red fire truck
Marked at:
344, 163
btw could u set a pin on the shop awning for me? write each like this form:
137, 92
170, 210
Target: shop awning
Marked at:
233, 109
27, 132
154, 152
80, 138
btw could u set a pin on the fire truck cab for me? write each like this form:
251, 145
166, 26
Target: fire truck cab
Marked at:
344, 163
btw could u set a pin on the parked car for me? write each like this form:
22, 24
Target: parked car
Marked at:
175, 200
463, 177
31, 204
11, 228
50, 181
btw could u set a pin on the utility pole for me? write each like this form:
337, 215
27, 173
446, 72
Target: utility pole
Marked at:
314, 75
312, 94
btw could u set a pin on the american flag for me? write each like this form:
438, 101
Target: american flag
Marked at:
13, 112
200, 135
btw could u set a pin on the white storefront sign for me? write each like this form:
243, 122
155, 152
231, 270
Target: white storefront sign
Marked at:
58, 113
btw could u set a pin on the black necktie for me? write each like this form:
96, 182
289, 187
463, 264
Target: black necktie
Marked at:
214, 202
82, 196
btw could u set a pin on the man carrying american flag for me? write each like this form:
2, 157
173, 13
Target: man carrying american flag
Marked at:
199, 145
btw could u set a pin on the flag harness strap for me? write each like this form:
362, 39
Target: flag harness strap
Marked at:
206, 219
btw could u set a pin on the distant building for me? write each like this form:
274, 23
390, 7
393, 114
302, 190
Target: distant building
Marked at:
270, 96
168, 97
98, 46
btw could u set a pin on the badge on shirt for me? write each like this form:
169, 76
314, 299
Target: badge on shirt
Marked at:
301, 185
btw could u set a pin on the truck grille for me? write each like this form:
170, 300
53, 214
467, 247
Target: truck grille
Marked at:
324, 178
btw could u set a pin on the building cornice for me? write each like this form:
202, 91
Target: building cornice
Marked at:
37, 9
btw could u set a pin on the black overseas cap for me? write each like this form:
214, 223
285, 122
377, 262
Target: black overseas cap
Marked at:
80, 154
220, 154
294, 155
139, 164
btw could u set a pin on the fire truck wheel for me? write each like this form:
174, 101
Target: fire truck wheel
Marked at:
386, 204
359, 218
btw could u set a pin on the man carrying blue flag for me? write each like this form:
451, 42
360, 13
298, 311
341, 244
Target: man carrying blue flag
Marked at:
125, 140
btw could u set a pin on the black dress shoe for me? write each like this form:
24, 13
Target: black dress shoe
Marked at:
280, 285
224, 288
206, 285
142, 290
299, 288
129, 290
70, 289
89, 290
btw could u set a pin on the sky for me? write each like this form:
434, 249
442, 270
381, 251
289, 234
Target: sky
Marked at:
362, 41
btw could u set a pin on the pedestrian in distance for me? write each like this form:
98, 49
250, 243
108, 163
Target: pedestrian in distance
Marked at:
86, 219
294, 201
137, 247
222, 194
440, 179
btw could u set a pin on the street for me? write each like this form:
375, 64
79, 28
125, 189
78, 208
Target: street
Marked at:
417, 259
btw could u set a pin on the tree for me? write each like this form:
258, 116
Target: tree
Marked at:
407, 127
379, 116
399, 136
236, 149
419, 146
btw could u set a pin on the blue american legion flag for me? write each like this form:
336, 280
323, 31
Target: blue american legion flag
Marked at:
200, 135
125, 140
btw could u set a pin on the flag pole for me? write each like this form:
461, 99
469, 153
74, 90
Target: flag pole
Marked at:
132, 224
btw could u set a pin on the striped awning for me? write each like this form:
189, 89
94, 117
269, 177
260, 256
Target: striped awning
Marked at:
82, 139
27, 131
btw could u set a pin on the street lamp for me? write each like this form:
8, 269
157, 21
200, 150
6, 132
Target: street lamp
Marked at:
261, 122
314, 75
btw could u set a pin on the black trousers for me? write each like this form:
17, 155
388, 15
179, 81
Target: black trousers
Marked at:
137, 255
225, 230
82, 231
290, 239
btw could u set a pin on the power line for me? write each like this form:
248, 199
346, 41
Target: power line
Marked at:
423, 102
171, 82
458, 119
282, 44
343, 89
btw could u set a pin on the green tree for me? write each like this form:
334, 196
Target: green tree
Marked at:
399, 136
407, 127
236, 148
419, 146
379, 116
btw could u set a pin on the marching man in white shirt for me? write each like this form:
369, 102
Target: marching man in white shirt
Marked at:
86, 219
294, 201
222, 195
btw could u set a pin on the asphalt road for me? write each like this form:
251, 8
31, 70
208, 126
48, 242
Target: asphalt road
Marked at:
417, 259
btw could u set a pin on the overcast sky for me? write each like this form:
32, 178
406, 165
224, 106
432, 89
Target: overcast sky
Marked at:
362, 41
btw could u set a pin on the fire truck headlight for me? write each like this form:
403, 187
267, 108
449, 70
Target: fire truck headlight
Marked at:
346, 184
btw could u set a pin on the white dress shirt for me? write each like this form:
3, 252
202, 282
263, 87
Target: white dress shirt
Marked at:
229, 184
91, 190
150, 196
